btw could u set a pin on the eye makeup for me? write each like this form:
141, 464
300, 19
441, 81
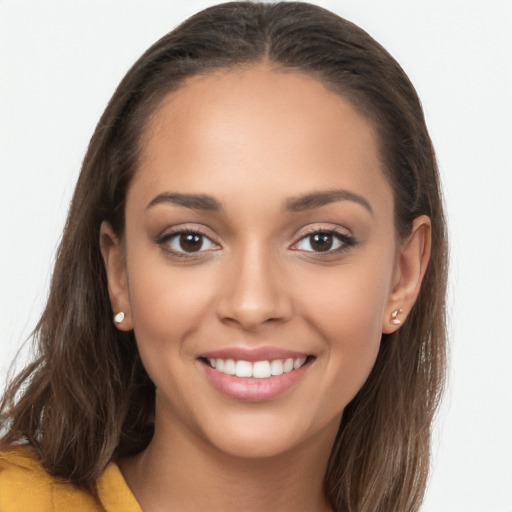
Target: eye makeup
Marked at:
192, 242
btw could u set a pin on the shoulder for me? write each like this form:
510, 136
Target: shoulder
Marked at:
25, 486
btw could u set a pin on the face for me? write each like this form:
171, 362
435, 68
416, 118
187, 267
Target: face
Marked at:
259, 261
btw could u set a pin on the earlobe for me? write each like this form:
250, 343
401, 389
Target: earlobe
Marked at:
411, 264
115, 268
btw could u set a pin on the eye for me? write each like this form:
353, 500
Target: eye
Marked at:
324, 242
187, 242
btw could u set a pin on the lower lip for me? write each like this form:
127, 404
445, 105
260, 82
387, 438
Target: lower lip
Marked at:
249, 389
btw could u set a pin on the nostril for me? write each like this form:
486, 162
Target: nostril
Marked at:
254, 291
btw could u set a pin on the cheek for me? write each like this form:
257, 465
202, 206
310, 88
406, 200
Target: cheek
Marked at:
346, 309
166, 301
348, 304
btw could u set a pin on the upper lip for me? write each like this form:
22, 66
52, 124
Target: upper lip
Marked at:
253, 354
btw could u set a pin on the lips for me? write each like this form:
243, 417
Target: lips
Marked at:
254, 375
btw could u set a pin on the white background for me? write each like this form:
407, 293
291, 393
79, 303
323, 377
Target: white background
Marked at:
60, 62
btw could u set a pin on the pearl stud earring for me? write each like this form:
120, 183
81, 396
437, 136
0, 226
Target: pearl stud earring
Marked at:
119, 317
394, 319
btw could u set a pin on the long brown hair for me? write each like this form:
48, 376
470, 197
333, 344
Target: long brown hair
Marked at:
86, 397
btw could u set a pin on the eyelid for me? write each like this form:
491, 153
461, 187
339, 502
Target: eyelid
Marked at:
168, 235
343, 235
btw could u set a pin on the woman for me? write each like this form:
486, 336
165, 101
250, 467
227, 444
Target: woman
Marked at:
259, 212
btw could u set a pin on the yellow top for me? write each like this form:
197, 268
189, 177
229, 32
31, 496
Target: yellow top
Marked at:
25, 486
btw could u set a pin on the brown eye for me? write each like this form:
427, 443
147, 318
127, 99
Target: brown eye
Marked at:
188, 242
323, 242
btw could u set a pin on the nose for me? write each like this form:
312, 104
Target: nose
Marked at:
254, 291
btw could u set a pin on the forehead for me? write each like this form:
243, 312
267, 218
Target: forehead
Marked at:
259, 127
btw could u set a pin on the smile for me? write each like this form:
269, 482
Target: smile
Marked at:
254, 375
257, 369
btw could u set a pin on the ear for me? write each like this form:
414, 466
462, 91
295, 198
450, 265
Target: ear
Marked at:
411, 264
112, 251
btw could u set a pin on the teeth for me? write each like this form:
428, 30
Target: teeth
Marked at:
261, 370
258, 369
243, 369
229, 366
276, 367
297, 363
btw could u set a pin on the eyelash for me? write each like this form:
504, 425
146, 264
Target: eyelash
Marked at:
346, 241
164, 242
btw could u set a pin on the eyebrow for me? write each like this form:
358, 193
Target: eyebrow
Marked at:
295, 204
318, 199
193, 201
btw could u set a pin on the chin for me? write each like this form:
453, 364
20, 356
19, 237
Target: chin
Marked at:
261, 436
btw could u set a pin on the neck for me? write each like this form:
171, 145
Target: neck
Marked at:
184, 473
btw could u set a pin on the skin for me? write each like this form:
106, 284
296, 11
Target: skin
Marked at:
254, 140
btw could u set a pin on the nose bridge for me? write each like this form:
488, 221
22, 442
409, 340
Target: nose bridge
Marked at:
254, 291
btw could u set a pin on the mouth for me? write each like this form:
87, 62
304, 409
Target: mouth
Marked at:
254, 376
263, 369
